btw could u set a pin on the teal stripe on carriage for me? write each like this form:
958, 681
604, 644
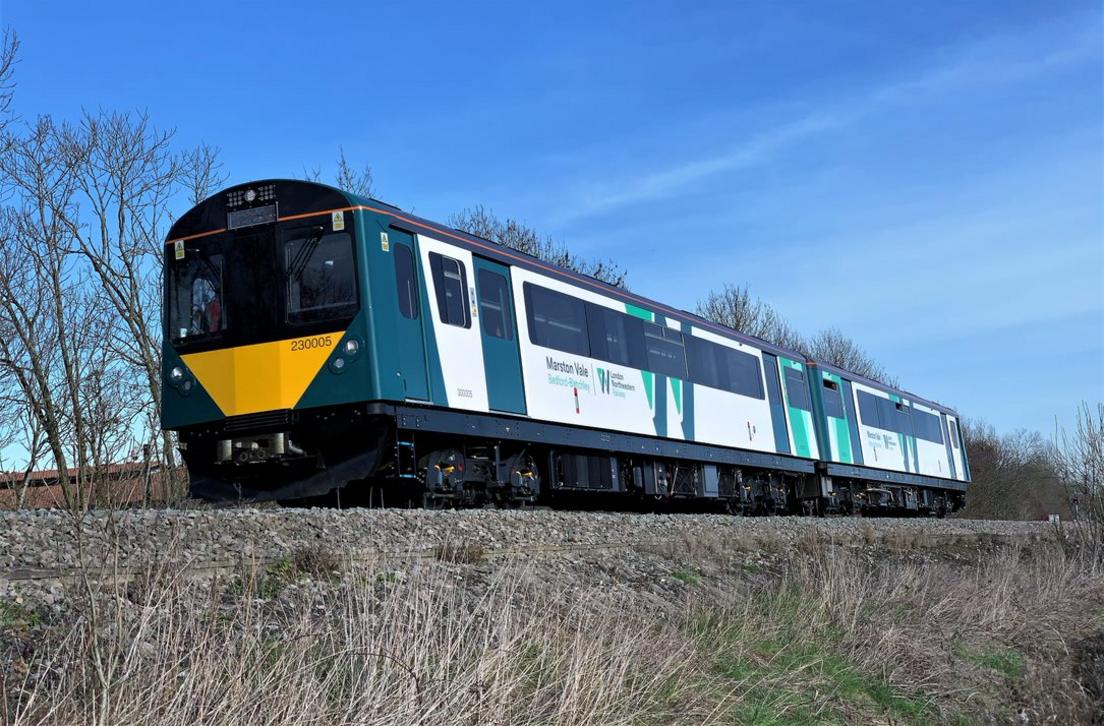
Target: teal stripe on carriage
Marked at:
839, 426
800, 419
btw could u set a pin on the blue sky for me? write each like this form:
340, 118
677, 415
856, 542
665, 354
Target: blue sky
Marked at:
928, 177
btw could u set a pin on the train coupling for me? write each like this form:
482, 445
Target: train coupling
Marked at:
254, 449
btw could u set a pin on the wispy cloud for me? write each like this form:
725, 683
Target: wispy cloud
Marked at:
994, 62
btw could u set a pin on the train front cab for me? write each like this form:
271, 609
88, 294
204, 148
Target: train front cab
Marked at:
268, 342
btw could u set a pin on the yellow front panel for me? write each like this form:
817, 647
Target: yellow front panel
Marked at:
261, 377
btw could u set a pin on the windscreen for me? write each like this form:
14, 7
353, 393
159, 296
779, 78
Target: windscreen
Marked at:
259, 284
321, 282
196, 309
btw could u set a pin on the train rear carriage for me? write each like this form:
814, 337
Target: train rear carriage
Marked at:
884, 448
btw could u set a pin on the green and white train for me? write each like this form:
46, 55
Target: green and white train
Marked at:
320, 344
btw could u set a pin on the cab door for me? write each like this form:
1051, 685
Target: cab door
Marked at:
498, 330
408, 326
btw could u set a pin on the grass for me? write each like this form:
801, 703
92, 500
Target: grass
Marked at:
15, 616
1005, 660
790, 671
829, 635
686, 577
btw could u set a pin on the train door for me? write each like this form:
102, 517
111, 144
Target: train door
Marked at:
498, 329
954, 446
408, 324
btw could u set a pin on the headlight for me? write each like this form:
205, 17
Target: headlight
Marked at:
176, 375
351, 346
339, 363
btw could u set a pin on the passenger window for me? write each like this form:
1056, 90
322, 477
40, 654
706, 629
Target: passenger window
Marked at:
926, 426
796, 390
870, 410
741, 373
615, 337
451, 283
953, 428
556, 320
664, 349
701, 360
405, 282
321, 278
494, 305
833, 401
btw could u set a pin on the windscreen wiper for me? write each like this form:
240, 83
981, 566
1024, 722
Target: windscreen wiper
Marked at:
303, 256
206, 260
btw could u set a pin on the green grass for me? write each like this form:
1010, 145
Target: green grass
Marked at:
786, 671
13, 616
686, 576
1006, 661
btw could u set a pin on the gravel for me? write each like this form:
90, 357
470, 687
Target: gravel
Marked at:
46, 539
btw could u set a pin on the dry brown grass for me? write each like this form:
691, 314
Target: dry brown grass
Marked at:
833, 633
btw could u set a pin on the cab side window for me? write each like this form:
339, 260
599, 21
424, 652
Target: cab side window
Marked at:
494, 305
406, 283
450, 280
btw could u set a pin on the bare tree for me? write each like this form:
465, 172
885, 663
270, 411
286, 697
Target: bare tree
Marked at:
126, 174
832, 346
1012, 475
80, 286
19, 427
1079, 460
201, 172
9, 52
511, 233
349, 179
735, 307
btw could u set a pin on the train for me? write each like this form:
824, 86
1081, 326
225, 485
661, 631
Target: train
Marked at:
323, 346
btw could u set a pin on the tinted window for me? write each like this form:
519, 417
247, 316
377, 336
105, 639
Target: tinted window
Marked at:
701, 361
953, 428
890, 415
405, 282
796, 390
833, 402
740, 372
870, 411
901, 416
664, 351
615, 336
926, 426
451, 283
494, 305
321, 277
195, 303
556, 320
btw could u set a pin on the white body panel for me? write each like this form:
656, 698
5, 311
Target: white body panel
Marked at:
461, 349
894, 451
567, 388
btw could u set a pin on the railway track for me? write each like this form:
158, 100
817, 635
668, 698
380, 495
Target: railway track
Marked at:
467, 551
